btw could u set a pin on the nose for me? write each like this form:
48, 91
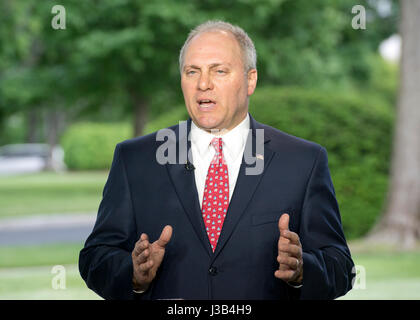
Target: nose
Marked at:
204, 82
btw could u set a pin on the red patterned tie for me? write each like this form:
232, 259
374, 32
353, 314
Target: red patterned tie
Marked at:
216, 194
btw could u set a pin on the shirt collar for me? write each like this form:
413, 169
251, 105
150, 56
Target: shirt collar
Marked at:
233, 141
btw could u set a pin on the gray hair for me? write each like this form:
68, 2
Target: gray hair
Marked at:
249, 54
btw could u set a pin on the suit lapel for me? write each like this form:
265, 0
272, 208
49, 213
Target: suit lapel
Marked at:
245, 187
184, 184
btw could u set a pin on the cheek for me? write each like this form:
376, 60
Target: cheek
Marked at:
232, 92
241, 93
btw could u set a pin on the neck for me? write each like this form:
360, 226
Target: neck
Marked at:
223, 131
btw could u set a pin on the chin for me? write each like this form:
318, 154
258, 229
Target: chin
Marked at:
206, 122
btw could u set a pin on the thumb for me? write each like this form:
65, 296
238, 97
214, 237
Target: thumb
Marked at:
284, 222
165, 236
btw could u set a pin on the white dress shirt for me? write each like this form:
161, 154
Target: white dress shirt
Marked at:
203, 152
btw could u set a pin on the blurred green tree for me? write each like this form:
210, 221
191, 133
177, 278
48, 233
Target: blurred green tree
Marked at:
400, 223
120, 54
33, 75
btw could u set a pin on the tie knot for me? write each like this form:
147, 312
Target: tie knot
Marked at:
217, 144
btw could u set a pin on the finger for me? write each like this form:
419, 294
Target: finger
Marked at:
145, 267
143, 237
283, 225
285, 275
144, 244
165, 236
283, 240
283, 267
290, 263
141, 246
284, 222
291, 236
290, 249
142, 257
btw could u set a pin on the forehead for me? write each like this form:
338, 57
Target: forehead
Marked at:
213, 47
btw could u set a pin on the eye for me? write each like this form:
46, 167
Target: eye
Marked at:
191, 72
220, 71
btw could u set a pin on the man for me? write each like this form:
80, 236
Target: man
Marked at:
207, 228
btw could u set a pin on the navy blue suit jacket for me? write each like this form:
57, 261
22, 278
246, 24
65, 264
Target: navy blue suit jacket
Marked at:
142, 195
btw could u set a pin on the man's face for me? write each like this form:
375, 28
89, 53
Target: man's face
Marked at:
214, 82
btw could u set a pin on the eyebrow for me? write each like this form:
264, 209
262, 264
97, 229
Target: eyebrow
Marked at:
213, 65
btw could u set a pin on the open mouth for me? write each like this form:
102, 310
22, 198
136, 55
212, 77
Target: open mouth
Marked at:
206, 104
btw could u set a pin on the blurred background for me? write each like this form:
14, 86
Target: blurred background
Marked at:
74, 85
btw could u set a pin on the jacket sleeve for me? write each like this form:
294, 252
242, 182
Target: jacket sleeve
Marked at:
327, 263
105, 261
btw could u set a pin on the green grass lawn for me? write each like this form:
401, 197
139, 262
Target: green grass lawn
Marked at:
26, 273
36, 283
45, 193
388, 275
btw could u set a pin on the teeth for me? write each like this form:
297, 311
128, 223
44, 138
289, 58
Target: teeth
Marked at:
205, 101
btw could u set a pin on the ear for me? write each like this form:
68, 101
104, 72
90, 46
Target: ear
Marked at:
252, 77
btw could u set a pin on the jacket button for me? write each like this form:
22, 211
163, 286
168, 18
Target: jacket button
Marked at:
213, 271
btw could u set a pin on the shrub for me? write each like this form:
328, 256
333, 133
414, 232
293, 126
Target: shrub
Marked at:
90, 146
170, 118
356, 130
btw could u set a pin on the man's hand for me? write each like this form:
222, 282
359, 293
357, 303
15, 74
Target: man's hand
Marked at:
147, 258
289, 253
